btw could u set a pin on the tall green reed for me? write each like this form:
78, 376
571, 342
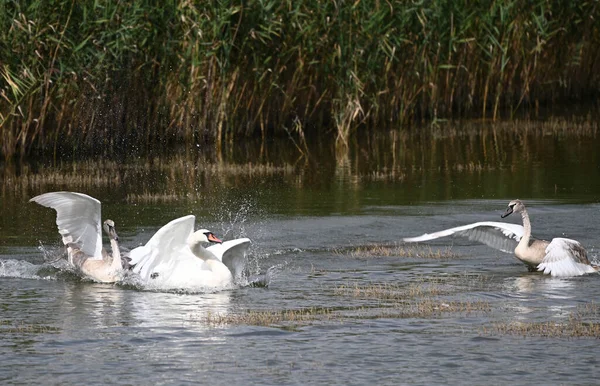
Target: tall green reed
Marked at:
113, 77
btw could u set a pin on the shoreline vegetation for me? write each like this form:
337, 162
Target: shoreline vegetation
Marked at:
131, 77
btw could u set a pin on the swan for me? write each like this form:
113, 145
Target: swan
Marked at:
78, 219
175, 258
561, 257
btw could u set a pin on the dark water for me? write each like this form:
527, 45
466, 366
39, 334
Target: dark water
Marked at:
310, 217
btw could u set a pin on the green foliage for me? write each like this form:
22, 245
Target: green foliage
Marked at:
97, 73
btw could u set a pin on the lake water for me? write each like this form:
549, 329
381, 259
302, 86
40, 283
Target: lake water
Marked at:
348, 302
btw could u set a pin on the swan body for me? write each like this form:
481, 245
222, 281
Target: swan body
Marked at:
78, 219
175, 258
560, 257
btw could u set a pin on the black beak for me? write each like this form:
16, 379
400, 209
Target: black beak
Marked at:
113, 232
509, 210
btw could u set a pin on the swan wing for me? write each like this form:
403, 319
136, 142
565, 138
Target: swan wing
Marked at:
565, 257
164, 248
498, 235
232, 254
78, 219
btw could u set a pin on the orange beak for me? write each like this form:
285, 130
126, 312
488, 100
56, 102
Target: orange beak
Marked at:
213, 239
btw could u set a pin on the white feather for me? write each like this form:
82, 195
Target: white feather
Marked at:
166, 261
498, 235
78, 219
232, 253
563, 258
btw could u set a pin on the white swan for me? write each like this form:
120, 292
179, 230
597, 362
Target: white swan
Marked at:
78, 219
561, 257
174, 258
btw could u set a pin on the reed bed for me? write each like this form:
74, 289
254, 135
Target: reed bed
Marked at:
110, 77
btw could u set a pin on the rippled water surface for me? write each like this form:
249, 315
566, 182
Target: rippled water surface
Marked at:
338, 310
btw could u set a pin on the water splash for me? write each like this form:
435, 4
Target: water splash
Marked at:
52, 254
264, 280
25, 270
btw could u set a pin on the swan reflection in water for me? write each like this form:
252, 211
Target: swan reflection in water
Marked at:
537, 295
109, 306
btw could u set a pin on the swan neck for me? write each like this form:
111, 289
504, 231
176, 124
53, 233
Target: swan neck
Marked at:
526, 228
200, 251
116, 255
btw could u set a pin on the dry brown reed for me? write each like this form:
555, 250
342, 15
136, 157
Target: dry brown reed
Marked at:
584, 322
423, 308
390, 291
572, 328
10, 327
400, 250
269, 317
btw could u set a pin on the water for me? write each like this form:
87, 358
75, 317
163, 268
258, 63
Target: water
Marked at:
314, 221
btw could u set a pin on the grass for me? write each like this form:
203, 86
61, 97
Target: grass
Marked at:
413, 301
573, 328
269, 317
426, 308
420, 299
9, 327
583, 323
140, 76
399, 250
390, 291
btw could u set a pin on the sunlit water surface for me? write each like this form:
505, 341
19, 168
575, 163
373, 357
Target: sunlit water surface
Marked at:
311, 222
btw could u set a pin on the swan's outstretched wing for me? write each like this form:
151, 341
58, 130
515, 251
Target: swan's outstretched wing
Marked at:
498, 235
78, 219
565, 257
164, 247
232, 253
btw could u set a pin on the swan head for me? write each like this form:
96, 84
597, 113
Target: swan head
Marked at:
515, 206
109, 228
203, 236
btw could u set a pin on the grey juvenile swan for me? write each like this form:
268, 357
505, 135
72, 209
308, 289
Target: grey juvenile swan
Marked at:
561, 257
78, 219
